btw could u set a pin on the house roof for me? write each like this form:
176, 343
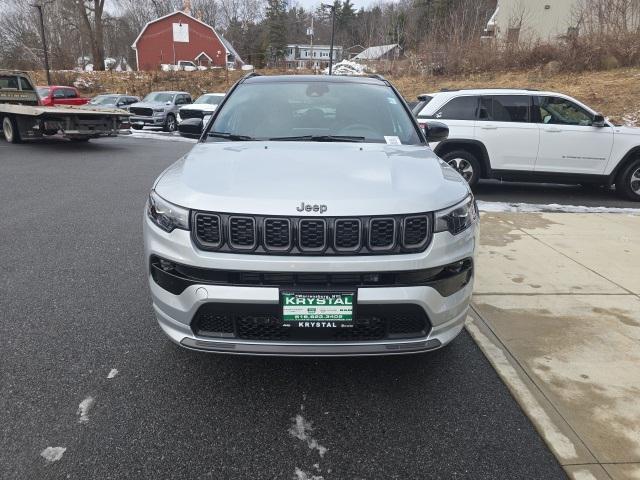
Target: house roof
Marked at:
231, 50
203, 54
186, 15
375, 53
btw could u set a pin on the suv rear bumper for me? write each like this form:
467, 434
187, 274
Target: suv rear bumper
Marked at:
175, 312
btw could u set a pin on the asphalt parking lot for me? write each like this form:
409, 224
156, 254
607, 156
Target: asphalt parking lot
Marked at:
75, 308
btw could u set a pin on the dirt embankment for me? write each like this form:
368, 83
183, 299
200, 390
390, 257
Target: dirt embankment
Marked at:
615, 93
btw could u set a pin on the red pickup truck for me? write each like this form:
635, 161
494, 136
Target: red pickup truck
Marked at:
60, 95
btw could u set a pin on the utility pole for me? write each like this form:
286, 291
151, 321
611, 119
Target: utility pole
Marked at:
44, 42
310, 33
333, 31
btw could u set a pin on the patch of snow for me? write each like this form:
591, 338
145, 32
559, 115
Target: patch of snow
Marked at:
302, 429
494, 207
302, 475
53, 454
83, 409
347, 67
112, 373
160, 136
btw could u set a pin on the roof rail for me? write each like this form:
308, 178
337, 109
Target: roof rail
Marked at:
486, 88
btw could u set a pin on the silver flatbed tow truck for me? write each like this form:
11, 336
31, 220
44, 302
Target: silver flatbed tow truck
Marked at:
23, 118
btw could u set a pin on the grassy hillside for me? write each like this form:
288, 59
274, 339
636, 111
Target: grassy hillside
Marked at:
615, 93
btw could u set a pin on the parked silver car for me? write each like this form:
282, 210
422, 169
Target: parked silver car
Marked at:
158, 109
113, 100
312, 218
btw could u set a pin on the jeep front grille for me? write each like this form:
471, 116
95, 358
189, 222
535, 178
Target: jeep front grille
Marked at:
312, 235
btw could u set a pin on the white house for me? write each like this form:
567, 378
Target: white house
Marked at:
533, 20
311, 56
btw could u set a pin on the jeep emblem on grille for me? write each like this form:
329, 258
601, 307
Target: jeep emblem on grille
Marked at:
311, 208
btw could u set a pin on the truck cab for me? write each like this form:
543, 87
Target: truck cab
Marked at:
60, 95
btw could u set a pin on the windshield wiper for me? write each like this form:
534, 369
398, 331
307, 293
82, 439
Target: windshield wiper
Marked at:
320, 138
231, 136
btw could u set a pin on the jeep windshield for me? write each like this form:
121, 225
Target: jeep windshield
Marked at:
160, 97
314, 111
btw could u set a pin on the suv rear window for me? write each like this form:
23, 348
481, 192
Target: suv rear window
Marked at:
460, 108
505, 108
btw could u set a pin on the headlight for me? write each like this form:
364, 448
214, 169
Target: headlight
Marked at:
158, 110
458, 218
166, 215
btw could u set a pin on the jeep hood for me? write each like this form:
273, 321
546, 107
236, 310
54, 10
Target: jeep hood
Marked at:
273, 178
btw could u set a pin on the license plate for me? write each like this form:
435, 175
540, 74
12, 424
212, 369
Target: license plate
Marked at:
318, 310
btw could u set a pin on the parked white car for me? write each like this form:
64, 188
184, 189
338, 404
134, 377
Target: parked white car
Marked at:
527, 135
203, 107
186, 65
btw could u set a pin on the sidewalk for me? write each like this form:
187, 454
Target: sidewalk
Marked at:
557, 311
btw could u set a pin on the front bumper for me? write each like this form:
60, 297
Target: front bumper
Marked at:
446, 314
140, 120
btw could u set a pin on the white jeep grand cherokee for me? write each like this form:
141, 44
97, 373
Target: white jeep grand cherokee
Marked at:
312, 218
529, 135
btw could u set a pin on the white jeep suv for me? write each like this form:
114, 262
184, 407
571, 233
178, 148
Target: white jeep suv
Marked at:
528, 135
311, 218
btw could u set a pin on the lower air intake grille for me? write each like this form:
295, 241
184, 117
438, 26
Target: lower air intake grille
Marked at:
263, 322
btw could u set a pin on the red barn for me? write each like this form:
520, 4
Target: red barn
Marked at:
179, 36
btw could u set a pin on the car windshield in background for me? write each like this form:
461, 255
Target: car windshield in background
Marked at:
210, 99
314, 111
104, 100
159, 97
43, 92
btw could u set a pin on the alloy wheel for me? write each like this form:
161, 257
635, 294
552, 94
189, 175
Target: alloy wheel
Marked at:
463, 167
635, 181
7, 128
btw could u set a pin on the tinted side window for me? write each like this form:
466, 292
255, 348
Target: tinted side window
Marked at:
461, 108
24, 84
70, 93
506, 108
560, 111
58, 93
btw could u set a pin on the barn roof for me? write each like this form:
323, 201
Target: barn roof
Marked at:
186, 15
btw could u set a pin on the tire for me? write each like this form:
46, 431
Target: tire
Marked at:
170, 124
137, 127
10, 130
465, 163
628, 181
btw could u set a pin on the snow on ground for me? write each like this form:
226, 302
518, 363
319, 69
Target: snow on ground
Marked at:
552, 207
53, 454
171, 137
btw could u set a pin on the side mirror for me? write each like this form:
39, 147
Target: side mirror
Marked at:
598, 121
191, 127
436, 131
